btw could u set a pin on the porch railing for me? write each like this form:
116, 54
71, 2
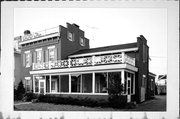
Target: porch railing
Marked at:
88, 61
40, 33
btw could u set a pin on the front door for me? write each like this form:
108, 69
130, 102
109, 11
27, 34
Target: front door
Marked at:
42, 86
128, 89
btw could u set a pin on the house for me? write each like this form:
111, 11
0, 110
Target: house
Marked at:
60, 61
161, 84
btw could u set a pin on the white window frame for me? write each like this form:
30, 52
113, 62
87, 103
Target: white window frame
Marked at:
70, 36
82, 41
26, 85
41, 59
26, 53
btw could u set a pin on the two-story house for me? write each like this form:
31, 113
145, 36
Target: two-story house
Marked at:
60, 61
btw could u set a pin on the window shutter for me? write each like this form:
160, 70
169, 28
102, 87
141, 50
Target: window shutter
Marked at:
34, 57
47, 56
24, 60
30, 59
55, 54
42, 52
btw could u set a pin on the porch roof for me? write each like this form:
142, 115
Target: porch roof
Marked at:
87, 69
104, 50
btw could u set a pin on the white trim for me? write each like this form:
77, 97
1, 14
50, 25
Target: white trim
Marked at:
39, 49
27, 78
51, 47
104, 52
26, 52
86, 69
40, 38
79, 93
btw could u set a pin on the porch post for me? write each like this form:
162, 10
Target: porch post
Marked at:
93, 83
49, 83
33, 84
45, 85
122, 78
123, 57
69, 83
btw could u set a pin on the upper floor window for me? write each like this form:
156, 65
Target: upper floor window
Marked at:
39, 55
70, 36
27, 59
52, 51
82, 42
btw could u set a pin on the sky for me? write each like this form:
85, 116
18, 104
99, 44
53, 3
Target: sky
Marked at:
105, 26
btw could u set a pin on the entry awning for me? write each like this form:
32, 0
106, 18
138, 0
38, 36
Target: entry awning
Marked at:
87, 69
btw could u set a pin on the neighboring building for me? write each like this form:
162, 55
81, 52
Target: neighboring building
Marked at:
17, 62
161, 84
61, 62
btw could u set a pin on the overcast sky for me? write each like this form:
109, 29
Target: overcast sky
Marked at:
104, 26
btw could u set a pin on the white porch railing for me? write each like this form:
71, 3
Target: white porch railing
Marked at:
40, 33
88, 61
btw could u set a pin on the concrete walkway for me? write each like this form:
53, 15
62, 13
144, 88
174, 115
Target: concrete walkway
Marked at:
22, 103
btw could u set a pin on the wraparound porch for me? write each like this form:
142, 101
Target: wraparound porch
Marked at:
84, 82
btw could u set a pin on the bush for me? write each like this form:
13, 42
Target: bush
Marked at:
115, 90
29, 97
58, 99
19, 93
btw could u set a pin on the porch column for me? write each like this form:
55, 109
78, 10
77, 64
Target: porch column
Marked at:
33, 84
122, 78
69, 83
49, 83
93, 83
123, 57
45, 85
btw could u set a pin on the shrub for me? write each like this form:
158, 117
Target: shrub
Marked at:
19, 93
115, 90
58, 99
29, 96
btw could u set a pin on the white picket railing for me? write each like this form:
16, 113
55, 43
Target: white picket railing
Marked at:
88, 61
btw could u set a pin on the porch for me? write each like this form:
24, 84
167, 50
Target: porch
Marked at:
83, 83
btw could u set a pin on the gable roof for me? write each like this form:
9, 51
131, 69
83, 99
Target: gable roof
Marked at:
106, 48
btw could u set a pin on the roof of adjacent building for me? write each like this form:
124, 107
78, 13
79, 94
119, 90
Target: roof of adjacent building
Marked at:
162, 77
107, 48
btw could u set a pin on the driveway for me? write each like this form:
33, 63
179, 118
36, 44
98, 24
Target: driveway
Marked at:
156, 104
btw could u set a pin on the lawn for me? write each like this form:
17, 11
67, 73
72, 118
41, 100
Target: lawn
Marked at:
156, 104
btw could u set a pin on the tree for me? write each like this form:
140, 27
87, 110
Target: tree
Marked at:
115, 90
20, 90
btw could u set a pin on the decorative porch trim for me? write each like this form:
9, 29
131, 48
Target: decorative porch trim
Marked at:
84, 69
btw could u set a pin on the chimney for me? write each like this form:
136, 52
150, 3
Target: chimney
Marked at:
27, 32
75, 25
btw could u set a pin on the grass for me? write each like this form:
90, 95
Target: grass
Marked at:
157, 104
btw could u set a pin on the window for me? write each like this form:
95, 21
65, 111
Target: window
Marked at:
70, 36
27, 59
54, 83
27, 86
75, 82
64, 83
81, 83
51, 55
82, 42
101, 82
39, 56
